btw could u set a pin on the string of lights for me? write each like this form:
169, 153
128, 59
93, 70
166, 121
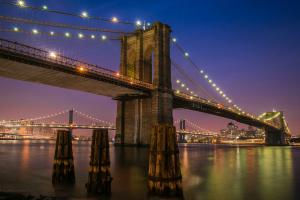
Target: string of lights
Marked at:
179, 69
67, 35
43, 117
93, 118
83, 14
204, 74
59, 25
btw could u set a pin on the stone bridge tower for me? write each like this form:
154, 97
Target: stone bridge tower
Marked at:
278, 137
145, 56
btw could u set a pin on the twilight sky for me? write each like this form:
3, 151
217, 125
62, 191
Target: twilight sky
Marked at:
250, 48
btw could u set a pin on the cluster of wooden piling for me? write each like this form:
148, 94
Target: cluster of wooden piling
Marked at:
99, 180
164, 175
63, 167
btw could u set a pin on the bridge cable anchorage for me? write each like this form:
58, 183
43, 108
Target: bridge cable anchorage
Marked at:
55, 34
83, 14
60, 25
185, 75
93, 118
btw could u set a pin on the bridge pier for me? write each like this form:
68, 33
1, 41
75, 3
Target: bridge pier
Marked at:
276, 138
99, 180
164, 174
63, 167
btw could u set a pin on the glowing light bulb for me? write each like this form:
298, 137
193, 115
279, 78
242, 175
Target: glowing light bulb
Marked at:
177, 81
21, 3
67, 34
138, 23
174, 39
206, 76
84, 14
182, 85
52, 54
115, 20
103, 37
214, 85
210, 81
44, 7
201, 71
35, 31
186, 54
52, 33
217, 89
16, 29
80, 35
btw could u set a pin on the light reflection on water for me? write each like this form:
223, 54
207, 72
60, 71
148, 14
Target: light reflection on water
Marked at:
209, 171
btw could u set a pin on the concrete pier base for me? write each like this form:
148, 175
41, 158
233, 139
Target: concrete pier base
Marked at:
164, 175
99, 180
63, 167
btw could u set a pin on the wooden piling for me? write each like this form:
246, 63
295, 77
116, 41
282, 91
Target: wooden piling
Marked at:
99, 180
63, 167
164, 174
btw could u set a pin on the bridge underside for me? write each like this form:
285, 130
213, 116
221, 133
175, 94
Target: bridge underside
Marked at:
43, 72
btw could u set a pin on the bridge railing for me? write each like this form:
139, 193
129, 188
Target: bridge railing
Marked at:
49, 56
218, 105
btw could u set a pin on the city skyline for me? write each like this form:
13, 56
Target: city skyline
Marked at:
255, 61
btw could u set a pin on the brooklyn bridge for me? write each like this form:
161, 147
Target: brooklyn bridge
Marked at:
144, 89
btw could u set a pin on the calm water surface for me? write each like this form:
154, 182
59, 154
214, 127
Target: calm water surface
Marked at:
209, 171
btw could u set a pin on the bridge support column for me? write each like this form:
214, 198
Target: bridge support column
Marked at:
63, 167
99, 180
275, 138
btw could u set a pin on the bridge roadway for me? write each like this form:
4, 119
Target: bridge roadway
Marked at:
22, 62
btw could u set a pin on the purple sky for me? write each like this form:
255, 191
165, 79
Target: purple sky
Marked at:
250, 48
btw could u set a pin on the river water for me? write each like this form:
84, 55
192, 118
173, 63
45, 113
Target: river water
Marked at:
209, 171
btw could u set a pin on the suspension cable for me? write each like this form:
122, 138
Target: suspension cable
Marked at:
59, 25
45, 8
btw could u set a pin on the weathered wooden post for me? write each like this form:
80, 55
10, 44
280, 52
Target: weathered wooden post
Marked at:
164, 165
99, 180
63, 167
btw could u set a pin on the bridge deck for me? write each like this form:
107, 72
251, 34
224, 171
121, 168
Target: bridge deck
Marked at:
180, 101
21, 62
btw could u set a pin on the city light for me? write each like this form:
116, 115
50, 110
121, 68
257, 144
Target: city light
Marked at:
52, 33
92, 36
186, 54
16, 29
44, 7
182, 85
117, 74
138, 23
177, 81
206, 76
84, 14
174, 39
